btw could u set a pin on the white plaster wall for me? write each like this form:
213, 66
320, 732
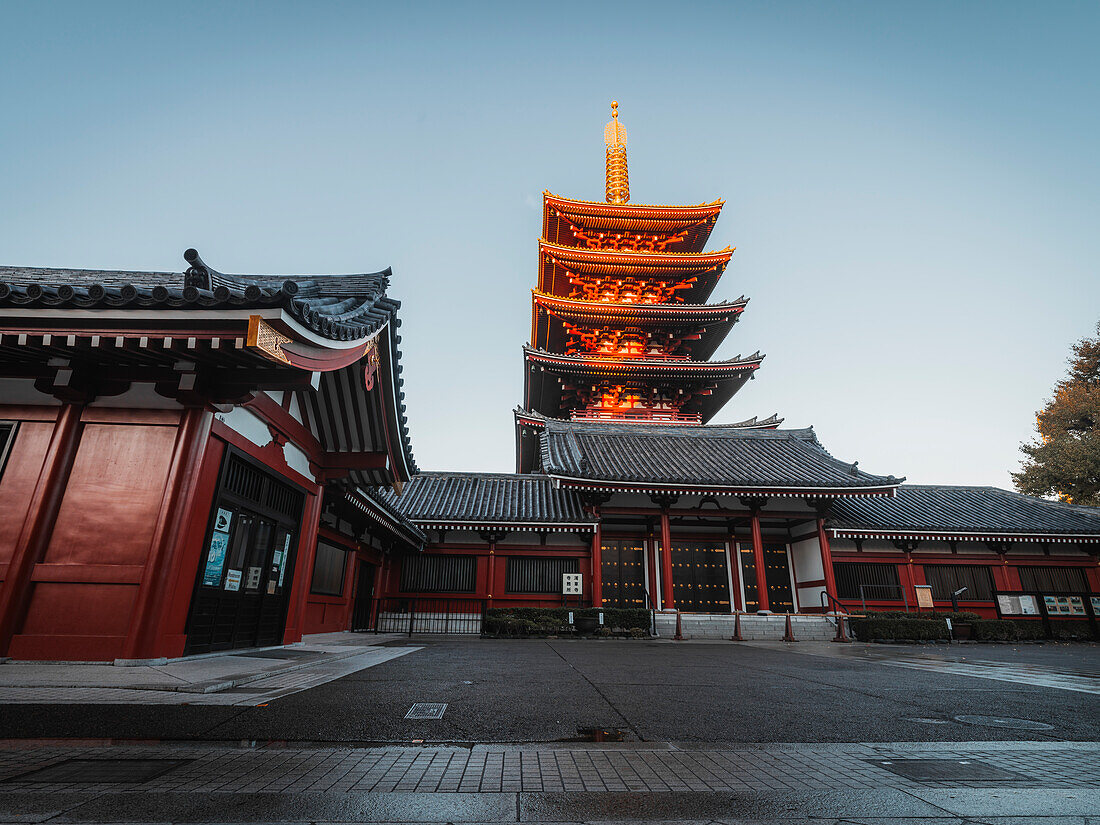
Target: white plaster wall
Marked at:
275, 395
244, 423
22, 391
297, 460
294, 410
806, 557
140, 397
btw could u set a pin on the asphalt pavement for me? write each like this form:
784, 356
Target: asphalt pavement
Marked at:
651, 691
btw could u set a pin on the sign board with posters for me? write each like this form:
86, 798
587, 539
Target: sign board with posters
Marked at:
1017, 605
924, 596
1064, 605
571, 584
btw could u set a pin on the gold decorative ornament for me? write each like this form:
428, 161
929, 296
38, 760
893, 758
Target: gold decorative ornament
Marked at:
618, 179
264, 337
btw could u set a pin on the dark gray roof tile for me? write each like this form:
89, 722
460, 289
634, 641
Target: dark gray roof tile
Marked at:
942, 508
704, 457
487, 498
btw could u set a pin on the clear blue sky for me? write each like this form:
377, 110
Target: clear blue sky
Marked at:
912, 187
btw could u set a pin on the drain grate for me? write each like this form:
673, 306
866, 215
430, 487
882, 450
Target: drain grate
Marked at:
102, 771
427, 710
1003, 722
946, 770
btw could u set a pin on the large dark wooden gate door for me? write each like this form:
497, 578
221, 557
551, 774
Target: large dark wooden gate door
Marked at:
364, 597
245, 576
700, 577
777, 575
622, 574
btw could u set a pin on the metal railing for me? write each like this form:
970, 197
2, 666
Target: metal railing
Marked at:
867, 591
411, 615
662, 416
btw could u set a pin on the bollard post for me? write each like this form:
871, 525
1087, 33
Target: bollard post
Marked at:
788, 633
679, 637
736, 637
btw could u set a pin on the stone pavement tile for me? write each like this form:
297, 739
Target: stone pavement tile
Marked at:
719, 805
985, 803
37, 806
291, 808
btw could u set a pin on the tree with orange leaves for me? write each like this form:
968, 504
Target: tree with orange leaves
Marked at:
1065, 459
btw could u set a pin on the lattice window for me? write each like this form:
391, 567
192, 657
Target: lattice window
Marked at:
525, 574
1054, 579
947, 578
438, 574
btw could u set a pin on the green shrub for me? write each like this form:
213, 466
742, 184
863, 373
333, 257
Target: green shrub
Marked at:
549, 621
638, 633
1070, 629
961, 616
1029, 629
899, 629
994, 630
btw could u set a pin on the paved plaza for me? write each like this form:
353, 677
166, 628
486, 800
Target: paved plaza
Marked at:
710, 731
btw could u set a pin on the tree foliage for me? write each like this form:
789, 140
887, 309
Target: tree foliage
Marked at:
1065, 459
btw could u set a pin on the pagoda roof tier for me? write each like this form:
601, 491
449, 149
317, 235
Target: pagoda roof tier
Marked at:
699, 271
530, 424
551, 313
716, 459
694, 223
715, 381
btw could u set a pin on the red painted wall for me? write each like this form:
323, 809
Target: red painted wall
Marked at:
83, 589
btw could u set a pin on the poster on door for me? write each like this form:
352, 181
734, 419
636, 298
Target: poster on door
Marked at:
233, 580
215, 559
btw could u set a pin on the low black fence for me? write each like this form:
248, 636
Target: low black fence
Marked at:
420, 615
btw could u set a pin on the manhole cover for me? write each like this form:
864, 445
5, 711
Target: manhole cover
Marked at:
426, 710
1003, 722
946, 770
102, 770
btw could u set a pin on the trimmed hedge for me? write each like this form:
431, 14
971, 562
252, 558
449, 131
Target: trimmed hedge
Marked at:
899, 629
961, 616
549, 621
1070, 629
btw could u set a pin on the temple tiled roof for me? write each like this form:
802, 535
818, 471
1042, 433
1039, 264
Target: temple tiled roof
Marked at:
348, 309
337, 307
721, 458
487, 500
942, 509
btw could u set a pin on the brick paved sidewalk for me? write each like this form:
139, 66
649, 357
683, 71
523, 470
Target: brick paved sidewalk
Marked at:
638, 767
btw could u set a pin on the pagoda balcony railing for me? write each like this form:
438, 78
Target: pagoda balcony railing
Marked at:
661, 416
628, 356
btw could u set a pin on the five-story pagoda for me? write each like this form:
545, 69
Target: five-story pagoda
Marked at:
620, 331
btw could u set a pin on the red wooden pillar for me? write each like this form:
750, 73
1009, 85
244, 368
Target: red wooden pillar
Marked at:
491, 583
34, 538
307, 552
758, 559
669, 603
150, 614
597, 565
826, 563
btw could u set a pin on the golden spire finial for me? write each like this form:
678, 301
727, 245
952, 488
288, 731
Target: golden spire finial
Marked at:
618, 181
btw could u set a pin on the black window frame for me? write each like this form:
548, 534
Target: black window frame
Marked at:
972, 594
551, 586
458, 561
1050, 572
845, 573
343, 569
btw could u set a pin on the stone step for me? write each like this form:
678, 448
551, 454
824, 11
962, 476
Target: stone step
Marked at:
753, 627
